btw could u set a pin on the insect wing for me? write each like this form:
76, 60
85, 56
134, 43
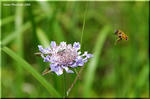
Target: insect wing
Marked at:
61, 50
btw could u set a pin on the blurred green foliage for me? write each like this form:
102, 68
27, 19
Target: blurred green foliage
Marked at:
120, 70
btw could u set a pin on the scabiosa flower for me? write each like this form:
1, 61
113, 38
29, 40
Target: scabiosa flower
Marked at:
64, 56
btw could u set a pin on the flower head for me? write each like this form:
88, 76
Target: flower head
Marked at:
64, 56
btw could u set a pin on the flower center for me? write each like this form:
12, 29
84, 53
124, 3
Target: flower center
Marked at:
65, 56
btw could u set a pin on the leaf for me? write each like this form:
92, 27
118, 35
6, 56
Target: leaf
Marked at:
90, 73
42, 38
31, 70
13, 35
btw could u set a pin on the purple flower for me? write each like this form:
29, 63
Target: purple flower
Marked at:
64, 56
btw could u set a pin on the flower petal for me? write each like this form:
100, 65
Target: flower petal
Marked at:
59, 71
85, 53
76, 45
53, 67
69, 46
89, 55
67, 69
81, 63
44, 51
85, 60
74, 65
63, 44
53, 44
46, 59
56, 68
79, 52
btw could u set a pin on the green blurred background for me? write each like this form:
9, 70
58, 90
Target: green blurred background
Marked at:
120, 70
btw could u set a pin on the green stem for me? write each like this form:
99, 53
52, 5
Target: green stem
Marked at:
83, 26
78, 75
64, 78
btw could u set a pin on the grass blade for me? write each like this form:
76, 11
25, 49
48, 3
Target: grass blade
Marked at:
6, 20
58, 32
26, 26
29, 68
45, 7
19, 42
89, 76
10, 19
42, 38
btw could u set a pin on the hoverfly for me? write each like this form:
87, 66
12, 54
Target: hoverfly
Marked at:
121, 35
